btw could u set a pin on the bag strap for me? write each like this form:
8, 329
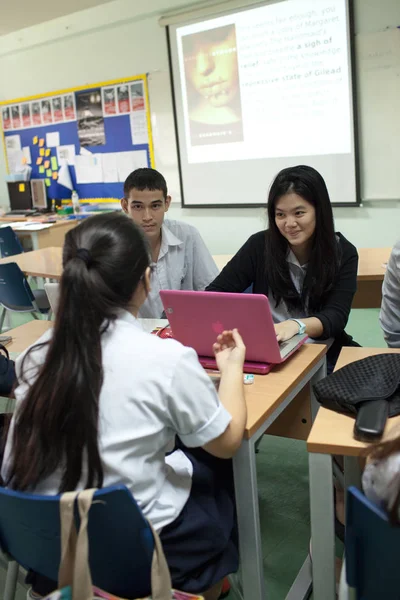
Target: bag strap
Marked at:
68, 539
82, 580
160, 575
4, 349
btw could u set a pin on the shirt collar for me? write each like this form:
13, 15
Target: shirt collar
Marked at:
168, 239
291, 258
124, 315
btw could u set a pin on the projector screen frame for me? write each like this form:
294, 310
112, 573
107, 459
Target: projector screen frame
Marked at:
355, 129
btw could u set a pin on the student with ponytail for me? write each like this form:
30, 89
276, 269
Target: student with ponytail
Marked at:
100, 402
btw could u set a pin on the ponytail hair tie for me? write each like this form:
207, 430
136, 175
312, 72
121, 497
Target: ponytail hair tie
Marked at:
84, 255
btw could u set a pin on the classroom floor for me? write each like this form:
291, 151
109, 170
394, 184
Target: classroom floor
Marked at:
283, 485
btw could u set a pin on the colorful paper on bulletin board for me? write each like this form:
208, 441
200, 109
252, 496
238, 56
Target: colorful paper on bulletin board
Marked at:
54, 164
41, 151
47, 182
121, 150
46, 164
55, 175
48, 173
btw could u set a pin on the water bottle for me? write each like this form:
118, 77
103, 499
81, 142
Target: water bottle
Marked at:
75, 202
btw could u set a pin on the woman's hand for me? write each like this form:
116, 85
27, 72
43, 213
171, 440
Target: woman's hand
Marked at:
229, 350
286, 330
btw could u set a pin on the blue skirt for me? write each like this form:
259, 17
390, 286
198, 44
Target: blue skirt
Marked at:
201, 545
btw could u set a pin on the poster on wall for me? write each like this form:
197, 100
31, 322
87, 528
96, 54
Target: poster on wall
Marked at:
69, 107
16, 116
109, 102
36, 114
26, 115
46, 112
57, 109
137, 96
123, 99
6, 117
90, 118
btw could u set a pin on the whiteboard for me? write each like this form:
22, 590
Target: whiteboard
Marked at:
378, 83
378, 116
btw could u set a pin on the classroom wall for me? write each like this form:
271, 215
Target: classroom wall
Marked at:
120, 39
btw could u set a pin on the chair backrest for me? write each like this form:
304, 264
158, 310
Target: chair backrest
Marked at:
15, 291
9, 242
372, 550
120, 540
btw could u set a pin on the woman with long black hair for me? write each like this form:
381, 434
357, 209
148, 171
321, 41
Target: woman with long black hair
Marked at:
100, 402
308, 271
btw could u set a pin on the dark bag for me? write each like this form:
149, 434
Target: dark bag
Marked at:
372, 378
7, 372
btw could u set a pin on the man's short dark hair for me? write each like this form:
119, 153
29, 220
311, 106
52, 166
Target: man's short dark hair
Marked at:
145, 179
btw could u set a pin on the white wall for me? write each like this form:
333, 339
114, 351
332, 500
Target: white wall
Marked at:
120, 39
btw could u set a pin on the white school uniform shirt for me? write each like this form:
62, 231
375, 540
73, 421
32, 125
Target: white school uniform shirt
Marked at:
152, 390
184, 263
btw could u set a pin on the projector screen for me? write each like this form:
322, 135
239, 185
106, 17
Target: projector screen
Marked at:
261, 89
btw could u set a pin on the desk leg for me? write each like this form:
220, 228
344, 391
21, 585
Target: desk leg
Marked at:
245, 475
352, 472
322, 526
320, 374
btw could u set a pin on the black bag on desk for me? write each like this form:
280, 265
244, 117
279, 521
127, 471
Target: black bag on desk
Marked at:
372, 378
7, 372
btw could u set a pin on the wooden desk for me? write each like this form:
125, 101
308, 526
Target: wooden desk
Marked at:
46, 263
266, 399
371, 271
370, 275
44, 238
332, 433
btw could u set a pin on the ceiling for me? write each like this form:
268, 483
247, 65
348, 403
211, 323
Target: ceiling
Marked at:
25, 13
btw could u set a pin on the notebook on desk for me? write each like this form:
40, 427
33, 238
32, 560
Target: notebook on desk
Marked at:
196, 318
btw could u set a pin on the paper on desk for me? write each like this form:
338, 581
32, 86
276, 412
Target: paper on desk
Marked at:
129, 161
109, 165
53, 139
13, 224
88, 169
64, 177
27, 154
32, 226
139, 132
13, 142
66, 154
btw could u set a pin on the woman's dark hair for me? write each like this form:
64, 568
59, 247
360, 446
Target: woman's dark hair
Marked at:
104, 259
323, 265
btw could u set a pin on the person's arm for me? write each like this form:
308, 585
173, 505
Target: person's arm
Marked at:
239, 274
335, 313
390, 310
204, 267
196, 413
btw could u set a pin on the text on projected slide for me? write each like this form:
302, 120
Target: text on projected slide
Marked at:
268, 82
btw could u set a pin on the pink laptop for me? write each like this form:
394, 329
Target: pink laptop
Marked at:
196, 318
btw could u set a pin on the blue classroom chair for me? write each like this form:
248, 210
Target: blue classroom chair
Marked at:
16, 294
120, 540
9, 242
372, 551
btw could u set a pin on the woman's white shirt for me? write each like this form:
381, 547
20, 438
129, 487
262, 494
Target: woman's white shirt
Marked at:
153, 389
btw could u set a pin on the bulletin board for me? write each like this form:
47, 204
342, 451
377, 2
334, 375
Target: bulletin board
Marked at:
89, 137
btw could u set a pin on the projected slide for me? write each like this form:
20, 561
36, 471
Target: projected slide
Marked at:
272, 81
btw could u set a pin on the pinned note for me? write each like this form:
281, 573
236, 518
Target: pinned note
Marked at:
46, 164
55, 175
41, 151
54, 164
47, 182
48, 152
39, 160
48, 173
24, 161
21, 187
41, 142
41, 170
35, 140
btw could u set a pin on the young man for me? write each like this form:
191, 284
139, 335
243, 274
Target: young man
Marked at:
179, 255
